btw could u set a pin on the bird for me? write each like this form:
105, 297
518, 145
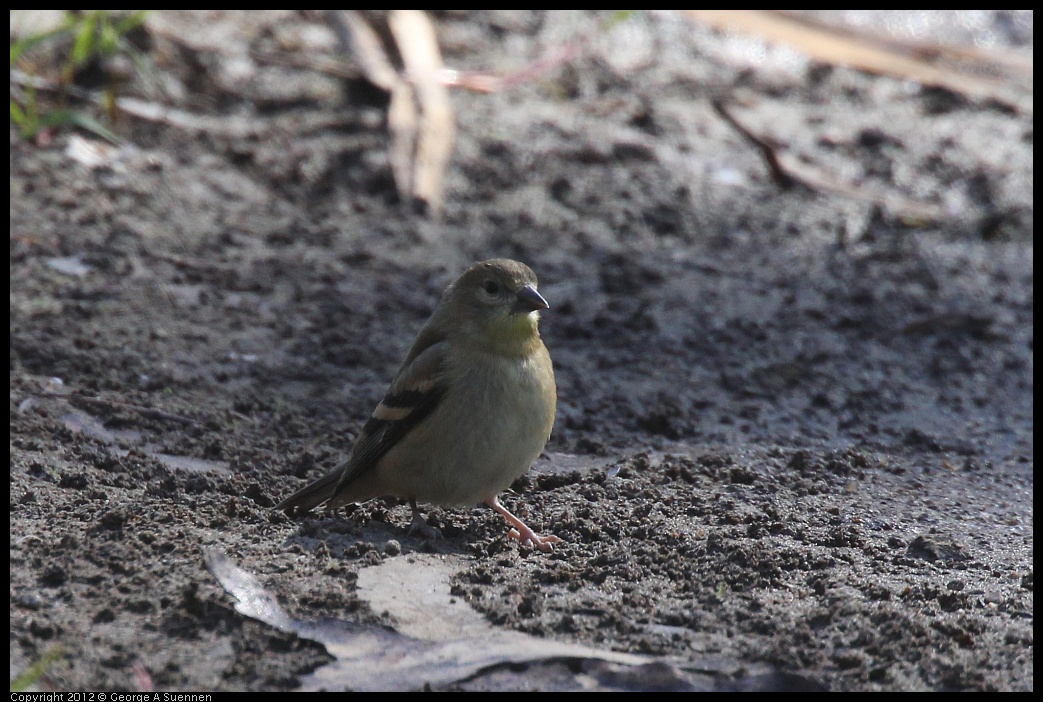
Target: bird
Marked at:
468, 412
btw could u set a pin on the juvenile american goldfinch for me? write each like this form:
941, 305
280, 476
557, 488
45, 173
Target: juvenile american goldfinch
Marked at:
471, 407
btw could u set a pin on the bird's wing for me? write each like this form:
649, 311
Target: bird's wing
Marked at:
413, 395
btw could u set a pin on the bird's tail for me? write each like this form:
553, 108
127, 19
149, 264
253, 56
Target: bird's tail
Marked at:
312, 495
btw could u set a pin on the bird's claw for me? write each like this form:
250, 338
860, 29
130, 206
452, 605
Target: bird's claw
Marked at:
531, 538
420, 526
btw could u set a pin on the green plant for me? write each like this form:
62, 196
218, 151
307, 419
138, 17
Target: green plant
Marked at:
35, 671
88, 36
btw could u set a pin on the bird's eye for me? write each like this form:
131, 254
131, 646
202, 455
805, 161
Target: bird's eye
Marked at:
492, 287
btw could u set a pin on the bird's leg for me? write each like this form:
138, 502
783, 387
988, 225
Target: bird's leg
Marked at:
420, 525
521, 531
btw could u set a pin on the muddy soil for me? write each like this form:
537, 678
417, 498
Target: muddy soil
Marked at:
794, 441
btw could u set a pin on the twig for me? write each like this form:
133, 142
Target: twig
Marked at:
420, 115
415, 36
766, 147
843, 47
787, 172
149, 412
485, 82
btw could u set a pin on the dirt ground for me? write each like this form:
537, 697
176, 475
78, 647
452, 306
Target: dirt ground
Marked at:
794, 440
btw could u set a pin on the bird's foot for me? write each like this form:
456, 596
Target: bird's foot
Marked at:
530, 538
420, 526
521, 531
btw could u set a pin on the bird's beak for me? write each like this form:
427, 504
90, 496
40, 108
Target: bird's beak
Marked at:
528, 300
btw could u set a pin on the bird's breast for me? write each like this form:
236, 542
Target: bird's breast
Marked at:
489, 427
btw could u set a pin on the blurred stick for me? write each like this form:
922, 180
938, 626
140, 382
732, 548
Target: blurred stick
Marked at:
415, 36
485, 82
841, 46
768, 149
420, 115
787, 171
